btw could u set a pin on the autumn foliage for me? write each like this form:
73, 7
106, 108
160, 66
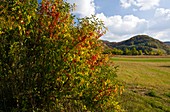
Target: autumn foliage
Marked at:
50, 63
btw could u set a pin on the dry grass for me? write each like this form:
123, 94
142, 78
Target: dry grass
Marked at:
147, 82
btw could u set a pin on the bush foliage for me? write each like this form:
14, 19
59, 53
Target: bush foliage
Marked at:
49, 63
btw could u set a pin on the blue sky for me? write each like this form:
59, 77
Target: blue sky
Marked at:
126, 18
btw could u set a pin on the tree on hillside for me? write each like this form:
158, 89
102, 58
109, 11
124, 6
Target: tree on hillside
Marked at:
127, 52
117, 51
159, 52
146, 52
134, 51
49, 63
140, 52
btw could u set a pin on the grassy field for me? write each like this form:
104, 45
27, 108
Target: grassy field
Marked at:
147, 83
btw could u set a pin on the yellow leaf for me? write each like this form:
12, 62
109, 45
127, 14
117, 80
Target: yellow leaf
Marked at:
78, 58
82, 82
29, 18
19, 27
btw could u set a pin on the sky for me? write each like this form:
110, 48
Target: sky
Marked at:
127, 18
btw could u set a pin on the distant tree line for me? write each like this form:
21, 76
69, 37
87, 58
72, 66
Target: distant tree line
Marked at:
132, 51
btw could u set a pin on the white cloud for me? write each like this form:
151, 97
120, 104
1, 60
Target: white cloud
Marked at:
161, 20
83, 7
161, 12
134, 9
141, 4
126, 3
119, 26
116, 38
162, 35
159, 25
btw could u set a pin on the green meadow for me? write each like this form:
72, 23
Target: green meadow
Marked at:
147, 83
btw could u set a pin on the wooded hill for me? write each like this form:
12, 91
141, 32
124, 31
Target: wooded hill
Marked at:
167, 43
137, 45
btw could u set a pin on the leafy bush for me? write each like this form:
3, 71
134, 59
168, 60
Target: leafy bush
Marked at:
49, 63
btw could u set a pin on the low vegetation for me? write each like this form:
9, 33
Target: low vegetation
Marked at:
147, 83
132, 51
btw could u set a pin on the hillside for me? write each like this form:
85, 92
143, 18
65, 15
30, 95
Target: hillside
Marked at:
167, 43
142, 43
